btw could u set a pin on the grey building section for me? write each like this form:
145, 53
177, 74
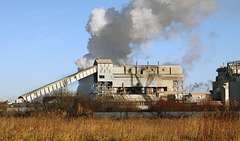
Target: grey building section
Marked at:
227, 84
234, 90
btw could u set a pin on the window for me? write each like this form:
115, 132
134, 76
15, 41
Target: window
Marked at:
101, 76
165, 89
175, 83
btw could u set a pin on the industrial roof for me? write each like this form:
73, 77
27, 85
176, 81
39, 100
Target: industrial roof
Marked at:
199, 93
103, 61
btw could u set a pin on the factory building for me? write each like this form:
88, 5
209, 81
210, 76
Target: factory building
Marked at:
227, 84
137, 79
195, 97
139, 83
145, 84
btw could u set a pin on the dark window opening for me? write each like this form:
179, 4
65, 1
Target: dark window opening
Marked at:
101, 76
165, 89
109, 84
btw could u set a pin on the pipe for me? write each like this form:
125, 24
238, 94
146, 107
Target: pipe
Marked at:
136, 68
125, 67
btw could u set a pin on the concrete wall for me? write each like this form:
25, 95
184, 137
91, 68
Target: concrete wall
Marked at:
142, 82
230, 91
146, 76
139, 76
105, 72
144, 69
197, 98
234, 90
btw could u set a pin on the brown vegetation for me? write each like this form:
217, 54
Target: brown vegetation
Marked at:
204, 105
61, 119
66, 100
169, 106
50, 126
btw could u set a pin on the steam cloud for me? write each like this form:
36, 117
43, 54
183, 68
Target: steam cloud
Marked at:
193, 54
199, 87
116, 34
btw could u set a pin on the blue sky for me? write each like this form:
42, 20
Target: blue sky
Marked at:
40, 40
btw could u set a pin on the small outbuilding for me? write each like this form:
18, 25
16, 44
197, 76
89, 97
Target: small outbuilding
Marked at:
198, 96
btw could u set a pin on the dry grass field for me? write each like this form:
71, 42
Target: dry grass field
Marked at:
59, 122
43, 127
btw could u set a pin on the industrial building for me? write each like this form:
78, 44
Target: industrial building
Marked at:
227, 84
195, 97
139, 83
145, 84
138, 79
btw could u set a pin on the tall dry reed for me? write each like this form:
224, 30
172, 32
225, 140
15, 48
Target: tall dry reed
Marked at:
54, 127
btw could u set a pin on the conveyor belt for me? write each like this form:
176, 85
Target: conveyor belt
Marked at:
28, 97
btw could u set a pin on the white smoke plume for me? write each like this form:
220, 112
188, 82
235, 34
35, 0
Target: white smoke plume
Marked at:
116, 34
193, 54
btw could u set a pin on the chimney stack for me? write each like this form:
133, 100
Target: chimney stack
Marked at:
125, 67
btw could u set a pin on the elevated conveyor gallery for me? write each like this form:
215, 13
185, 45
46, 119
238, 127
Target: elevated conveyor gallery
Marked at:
28, 97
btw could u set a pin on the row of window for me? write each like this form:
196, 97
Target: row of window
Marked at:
103, 68
130, 70
104, 65
101, 71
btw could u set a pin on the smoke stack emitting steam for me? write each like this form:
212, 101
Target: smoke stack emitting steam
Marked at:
116, 34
